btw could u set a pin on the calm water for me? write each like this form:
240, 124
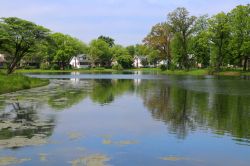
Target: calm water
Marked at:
127, 120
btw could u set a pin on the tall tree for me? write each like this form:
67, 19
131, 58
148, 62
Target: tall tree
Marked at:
21, 37
131, 50
160, 38
182, 26
239, 19
99, 52
200, 46
109, 40
65, 48
122, 56
219, 36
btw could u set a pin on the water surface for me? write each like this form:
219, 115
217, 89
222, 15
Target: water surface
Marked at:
127, 119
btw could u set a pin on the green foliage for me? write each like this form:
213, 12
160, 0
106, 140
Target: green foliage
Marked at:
131, 50
65, 47
55, 67
219, 36
14, 82
19, 38
44, 66
182, 26
163, 67
239, 19
117, 67
108, 40
122, 57
159, 39
153, 57
200, 42
100, 53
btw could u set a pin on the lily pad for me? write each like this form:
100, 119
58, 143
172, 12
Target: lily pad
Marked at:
173, 158
12, 160
92, 160
74, 135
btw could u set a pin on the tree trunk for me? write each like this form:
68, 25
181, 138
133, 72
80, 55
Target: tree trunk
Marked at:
245, 63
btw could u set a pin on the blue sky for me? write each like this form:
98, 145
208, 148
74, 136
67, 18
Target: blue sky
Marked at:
127, 21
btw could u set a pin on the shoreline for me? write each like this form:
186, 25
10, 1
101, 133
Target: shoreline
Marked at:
198, 72
15, 82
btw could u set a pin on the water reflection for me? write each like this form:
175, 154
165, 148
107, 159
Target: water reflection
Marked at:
21, 125
184, 110
183, 104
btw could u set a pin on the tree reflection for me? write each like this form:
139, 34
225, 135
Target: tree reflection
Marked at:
105, 91
23, 126
184, 110
181, 108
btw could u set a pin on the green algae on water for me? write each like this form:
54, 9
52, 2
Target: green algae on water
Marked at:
8, 160
20, 141
91, 160
43, 157
74, 135
173, 158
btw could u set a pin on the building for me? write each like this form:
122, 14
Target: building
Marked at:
80, 61
162, 62
2, 60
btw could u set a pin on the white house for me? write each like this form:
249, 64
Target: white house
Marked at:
80, 61
138, 61
2, 60
162, 62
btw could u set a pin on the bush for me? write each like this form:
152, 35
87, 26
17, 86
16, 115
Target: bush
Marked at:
163, 67
55, 67
29, 67
45, 66
117, 67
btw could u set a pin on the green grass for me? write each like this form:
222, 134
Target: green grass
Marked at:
194, 72
197, 72
15, 82
96, 70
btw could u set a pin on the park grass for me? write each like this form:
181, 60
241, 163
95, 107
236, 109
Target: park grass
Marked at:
15, 82
95, 70
194, 72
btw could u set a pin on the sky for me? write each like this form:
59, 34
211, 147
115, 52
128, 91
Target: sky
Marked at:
127, 21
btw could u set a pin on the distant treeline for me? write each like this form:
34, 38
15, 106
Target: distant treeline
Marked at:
222, 40
182, 42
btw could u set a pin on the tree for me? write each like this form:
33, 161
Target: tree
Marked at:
200, 46
109, 40
65, 47
131, 50
141, 50
159, 39
219, 36
122, 56
153, 57
239, 19
182, 26
20, 38
99, 52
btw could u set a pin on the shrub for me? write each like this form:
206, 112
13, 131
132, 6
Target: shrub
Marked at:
45, 66
55, 67
163, 67
117, 67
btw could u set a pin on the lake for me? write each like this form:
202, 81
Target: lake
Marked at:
130, 119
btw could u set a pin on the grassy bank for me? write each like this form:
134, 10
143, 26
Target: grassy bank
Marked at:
15, 82
97, 70
194, 72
